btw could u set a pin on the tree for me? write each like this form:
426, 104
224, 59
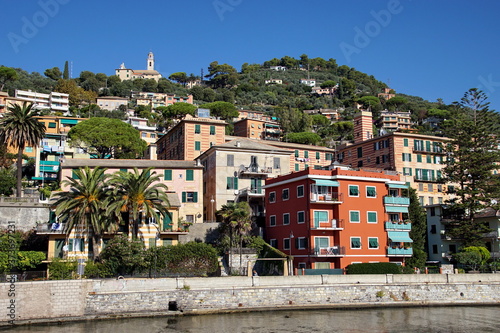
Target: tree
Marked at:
66, 71
53, 73
77, 94
107, 138
83, 205
123, 256
136, 194
343, 129
418, 231
472, 154
396, 102
328, 84
179, 77
307, 138
224, 110
192, 258
370, 102
19, 128
7, 74
7, 181
221, 76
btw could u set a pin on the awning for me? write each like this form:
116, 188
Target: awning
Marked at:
405, 186
325, 182
396, 209
69, 121
400, 236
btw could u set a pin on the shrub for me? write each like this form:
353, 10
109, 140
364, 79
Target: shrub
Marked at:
374, 268
96, 270
198, 259
62, 270
123, 256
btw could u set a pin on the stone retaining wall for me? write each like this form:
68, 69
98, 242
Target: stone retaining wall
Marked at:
86, 299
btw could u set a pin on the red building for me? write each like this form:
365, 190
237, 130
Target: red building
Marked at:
329, 219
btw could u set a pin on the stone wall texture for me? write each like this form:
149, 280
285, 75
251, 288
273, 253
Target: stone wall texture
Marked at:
25, 215
87, 299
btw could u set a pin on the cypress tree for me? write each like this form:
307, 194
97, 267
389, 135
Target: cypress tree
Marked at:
418, 220
66, 71
472, 153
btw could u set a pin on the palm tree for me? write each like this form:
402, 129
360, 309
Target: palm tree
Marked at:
83, 204
19, 128
138, 193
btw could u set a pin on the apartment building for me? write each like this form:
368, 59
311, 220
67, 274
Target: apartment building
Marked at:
190, 137
418, 158
236, 171
54, 101
111, 103
148, 133
258, 129
252, 114
387, 94
155, 100
391, 121
329, 219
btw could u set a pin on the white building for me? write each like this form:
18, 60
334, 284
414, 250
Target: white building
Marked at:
55, 101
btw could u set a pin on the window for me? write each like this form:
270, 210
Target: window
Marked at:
371, 192
322, 265
433, 229
372, 242
76, 244
317, 155
407, 171
300, 191
74, 175
273, 243
355, 243
301, 243
167, 241
371, 217
296, 153
232, 183
434, 249
197, 129
52, 125
29, 149
302, 265
429, 159
197, 145
430, 187
276, 163
230, 160
168, 174
431, 201
286, 219
272, 196
405, 142
418, 145
189, 196
144, 135
360, 152
353, 191
377, 160
212, 130
360, 164
354, 216
189, 175
124, 170
406, 157
286, 243
328, 156
320, 216
306, 154
297, 168
301, 217
421, 200
272, 220
285, 194
437, 159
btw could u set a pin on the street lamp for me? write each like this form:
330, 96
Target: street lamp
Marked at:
290, 268
213, 208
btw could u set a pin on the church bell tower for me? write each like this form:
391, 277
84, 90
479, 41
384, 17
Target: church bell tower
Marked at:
151, 61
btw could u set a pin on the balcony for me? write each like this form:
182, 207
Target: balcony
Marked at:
333, 251
399, 252
392, 225
251, 192
388, 200
328, 198
331, 225
51, 229
423, 150
426, 179
255, 170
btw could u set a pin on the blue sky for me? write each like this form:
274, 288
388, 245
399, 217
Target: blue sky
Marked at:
433, 49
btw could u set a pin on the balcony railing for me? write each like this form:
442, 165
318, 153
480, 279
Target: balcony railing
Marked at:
390, 225
256, 170
251, 192
428, 179
331, 197
431, 151
335, 224
388, 200
399, 251
51, 228
333, 251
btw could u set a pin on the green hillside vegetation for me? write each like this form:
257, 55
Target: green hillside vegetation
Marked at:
246, 89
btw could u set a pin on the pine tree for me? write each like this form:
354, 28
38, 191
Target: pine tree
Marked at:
472, 153
66, 71
418, 231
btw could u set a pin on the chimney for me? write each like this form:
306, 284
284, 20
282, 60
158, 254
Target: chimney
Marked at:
363, 126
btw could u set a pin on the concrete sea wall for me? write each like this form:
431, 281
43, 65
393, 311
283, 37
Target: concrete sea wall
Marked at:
44, 301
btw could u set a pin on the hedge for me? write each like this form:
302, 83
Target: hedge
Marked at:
374, 268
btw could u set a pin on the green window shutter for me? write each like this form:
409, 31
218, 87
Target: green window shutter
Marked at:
296, 167
354, 216
317, 155
419, 158
355, 243
52, 125
372, 217
306, 154
82, 245
410, 171
429, 159
189, 175
229, 183
235, 183
52, 217
195, 196
124, 170
197, 145
70, 244
432, 175
212, 130
183, 196
167, 241
427, 145
296, 153
373, 242
405, 142
168, 174
197, 129
167, 220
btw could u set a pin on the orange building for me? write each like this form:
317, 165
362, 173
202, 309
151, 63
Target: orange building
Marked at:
189, 138
257, 129
329, 219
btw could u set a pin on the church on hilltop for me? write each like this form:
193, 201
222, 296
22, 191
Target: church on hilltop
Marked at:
130, 74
